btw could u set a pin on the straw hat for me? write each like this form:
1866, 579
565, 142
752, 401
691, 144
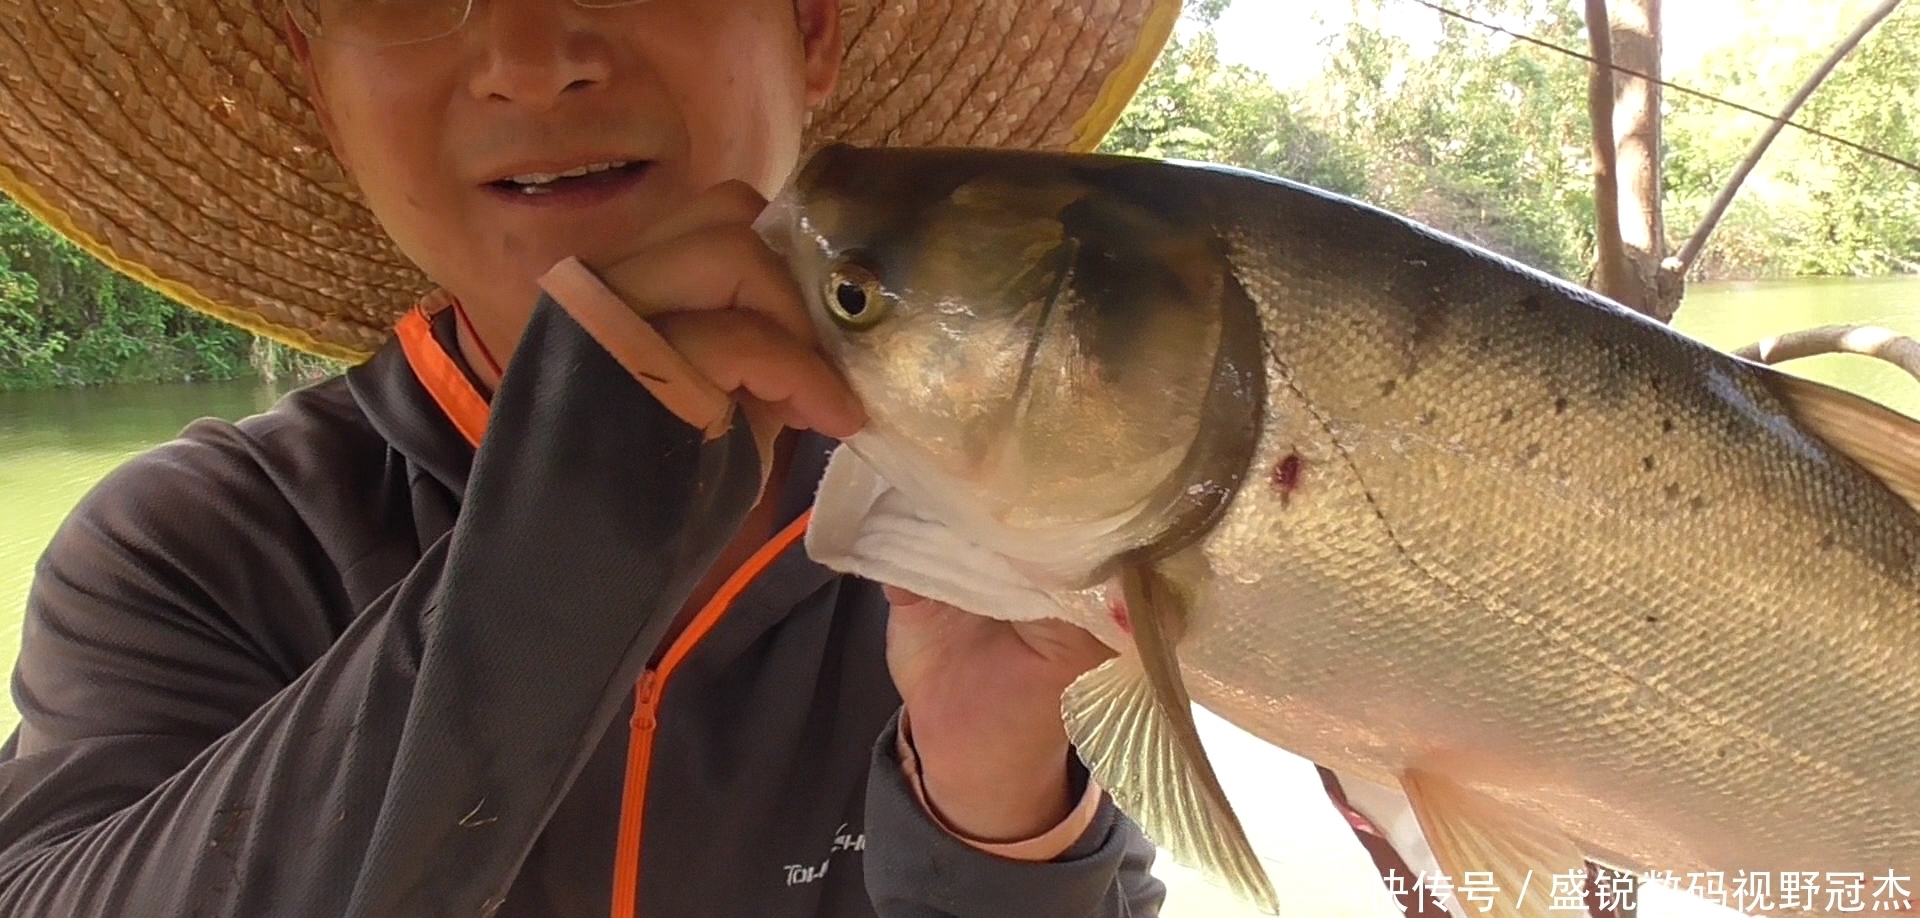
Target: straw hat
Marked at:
172, 138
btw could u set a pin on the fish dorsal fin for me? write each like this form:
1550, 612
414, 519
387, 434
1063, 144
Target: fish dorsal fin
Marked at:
1132, 722
1472, 833
1883, 441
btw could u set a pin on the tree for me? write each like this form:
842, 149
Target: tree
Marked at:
1193, 107
1472, 137
1624, 108
67, 319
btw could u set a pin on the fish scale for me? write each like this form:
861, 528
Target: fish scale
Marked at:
1580, 587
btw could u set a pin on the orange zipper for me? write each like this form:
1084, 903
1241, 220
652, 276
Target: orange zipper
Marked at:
633, 796
646, 711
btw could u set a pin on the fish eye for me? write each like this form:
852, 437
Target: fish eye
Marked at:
854, 295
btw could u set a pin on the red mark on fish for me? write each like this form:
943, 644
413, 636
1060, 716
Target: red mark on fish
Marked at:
1117, 607
1286, 477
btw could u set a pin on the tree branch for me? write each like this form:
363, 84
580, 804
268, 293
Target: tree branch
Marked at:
1866, 340
1684, 260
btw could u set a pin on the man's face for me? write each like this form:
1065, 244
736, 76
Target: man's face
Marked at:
685, 93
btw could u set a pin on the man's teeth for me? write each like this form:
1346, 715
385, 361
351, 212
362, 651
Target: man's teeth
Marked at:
533, 182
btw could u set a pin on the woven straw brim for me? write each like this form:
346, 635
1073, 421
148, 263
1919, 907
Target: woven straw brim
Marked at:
174, 141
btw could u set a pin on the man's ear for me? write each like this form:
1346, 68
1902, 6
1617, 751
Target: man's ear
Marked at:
302, 47
819, 22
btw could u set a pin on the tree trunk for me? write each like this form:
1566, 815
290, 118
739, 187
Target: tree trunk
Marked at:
1625, 108
1611, 276
1635, 25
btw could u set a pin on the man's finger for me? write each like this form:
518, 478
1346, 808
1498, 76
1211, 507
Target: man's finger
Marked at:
746, 354
718, 267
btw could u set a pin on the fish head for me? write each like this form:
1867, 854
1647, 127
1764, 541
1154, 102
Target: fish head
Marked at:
1036, 344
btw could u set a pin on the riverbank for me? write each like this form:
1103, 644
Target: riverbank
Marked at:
109, 359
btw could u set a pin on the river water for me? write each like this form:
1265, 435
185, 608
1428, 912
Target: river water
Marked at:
56, 445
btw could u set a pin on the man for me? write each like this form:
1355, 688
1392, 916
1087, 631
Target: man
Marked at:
496, 624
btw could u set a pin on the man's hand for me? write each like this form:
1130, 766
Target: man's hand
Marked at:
983, 706
714, 290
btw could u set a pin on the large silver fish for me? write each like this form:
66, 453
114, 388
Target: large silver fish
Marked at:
1580, 586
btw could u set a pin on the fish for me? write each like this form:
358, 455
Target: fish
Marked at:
1580, 587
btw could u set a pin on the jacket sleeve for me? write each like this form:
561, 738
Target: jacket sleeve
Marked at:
916, 869
176, 765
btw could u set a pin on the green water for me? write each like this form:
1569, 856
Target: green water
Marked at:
55, 445
1732, 315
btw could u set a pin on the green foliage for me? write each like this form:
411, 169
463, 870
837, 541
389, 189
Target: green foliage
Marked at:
1812, 207
1206, 12
68, 320
1870, 212
1488, 138
1475, 139
1483, 138
1193, 107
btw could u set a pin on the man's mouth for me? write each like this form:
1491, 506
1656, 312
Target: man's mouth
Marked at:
592, 176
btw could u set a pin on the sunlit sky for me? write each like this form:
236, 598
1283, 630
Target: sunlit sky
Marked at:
1284, 37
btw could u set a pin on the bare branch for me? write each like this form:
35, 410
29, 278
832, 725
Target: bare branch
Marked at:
1866, 340
1718, 209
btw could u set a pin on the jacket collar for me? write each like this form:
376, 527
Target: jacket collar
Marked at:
406, 415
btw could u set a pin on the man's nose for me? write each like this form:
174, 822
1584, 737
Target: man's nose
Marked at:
533, 51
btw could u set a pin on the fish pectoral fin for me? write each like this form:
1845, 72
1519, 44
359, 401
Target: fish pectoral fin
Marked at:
1883, 441
1132, 723
1471, 833
1135, 751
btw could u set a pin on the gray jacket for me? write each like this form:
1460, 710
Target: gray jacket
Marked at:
332, 661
